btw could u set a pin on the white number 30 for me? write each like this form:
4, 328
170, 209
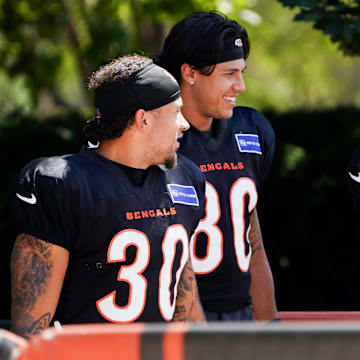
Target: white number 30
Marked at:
132, 274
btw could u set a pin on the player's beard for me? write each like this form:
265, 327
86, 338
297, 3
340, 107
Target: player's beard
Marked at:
171, 161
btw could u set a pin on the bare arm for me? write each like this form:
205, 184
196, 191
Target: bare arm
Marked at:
37, 274
188, 307
262, 283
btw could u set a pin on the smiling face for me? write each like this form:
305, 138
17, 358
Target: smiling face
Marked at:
214, 95
168, 126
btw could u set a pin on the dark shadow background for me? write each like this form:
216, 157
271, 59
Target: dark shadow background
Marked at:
310, 228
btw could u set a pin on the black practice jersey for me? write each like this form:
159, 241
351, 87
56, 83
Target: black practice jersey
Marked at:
127, 244
234, 160
353, 177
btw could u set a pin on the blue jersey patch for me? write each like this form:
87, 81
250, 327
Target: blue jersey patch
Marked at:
248, 143
183, 194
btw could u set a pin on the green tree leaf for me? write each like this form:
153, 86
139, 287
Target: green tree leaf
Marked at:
338, 18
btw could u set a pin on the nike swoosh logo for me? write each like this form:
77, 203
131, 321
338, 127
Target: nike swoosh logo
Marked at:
30, 200
93, 146
356, 178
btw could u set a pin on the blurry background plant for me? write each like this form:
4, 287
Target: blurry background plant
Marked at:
48, 49
340, 19
305, 80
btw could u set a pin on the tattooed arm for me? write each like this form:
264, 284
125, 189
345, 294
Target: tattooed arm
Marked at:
188, 307
262, 283
37, 274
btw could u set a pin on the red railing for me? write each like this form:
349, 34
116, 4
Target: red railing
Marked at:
111, 341
316, 316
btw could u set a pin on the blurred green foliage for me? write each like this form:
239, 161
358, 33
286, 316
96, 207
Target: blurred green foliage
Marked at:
48, 49
338, 18
293, 66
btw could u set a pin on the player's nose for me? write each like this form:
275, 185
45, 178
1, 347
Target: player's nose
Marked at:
239, 84
184, 125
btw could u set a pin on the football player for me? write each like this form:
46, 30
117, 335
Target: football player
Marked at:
104, 234
233, 146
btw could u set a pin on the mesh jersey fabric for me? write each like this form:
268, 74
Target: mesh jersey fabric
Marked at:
87, 204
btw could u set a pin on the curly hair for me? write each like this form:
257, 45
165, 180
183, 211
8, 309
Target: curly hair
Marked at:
111, 126
197, 40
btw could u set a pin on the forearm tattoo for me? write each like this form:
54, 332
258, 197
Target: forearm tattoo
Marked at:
180, 313
30, 269
255, 237
28, 326
184, 294
187, 301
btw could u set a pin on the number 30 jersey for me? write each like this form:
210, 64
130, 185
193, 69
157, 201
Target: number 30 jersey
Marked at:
128, 244
235, 160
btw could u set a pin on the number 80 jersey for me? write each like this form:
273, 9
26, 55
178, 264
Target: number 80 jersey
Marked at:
235, 160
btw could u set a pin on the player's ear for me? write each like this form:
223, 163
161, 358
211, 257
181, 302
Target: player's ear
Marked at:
141, 119
187, 73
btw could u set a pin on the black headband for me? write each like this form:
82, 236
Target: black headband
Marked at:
233, 49
148, 88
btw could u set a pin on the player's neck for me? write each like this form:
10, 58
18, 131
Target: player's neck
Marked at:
190, 109
198, 121
118, 150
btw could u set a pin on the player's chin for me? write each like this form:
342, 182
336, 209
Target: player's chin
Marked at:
227, 114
